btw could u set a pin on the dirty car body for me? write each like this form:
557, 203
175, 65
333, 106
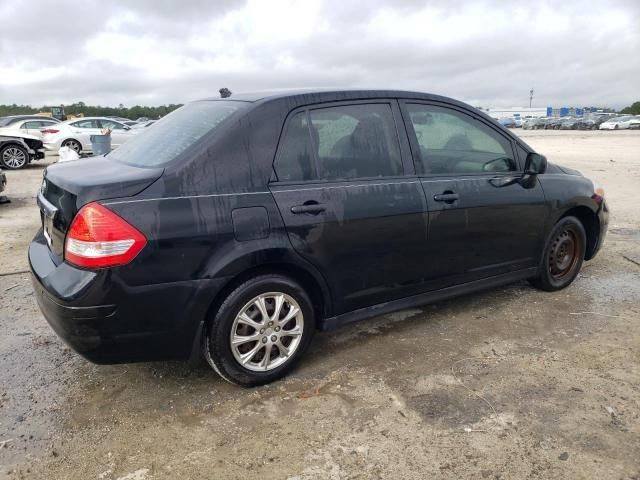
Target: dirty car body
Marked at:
345, 227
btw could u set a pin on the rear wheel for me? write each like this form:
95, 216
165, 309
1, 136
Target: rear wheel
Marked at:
73, 145
260, 331
563, 255
14, 157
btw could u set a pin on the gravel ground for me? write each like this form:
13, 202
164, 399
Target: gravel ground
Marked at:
510, 383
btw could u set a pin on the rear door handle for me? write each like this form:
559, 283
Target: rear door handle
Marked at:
447, 197
310, 208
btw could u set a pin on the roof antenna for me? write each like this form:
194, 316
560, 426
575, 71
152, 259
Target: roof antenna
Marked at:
225, 92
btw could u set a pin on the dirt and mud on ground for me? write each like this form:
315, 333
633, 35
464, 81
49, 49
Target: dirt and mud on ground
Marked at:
511, 383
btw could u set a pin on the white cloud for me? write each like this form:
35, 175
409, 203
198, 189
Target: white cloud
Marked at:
159, 51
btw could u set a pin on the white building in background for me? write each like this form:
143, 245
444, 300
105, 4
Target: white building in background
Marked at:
515, 112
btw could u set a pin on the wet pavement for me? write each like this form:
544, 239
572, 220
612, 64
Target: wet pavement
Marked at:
508, 383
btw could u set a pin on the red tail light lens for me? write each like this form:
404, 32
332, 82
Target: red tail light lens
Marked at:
49, 130
100, 238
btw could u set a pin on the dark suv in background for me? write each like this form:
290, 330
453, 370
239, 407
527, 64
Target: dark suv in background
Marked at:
236, 227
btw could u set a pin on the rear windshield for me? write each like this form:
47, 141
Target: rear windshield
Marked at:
176, 132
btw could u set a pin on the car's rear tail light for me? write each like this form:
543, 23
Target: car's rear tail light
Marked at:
49, 130
98, 238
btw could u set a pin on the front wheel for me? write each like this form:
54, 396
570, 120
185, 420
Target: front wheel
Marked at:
563, 255
260, 331
13, 157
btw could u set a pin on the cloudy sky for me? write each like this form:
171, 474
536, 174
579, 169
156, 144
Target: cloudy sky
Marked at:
162, 51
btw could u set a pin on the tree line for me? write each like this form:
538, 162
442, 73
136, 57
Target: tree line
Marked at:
633, 109
133, 113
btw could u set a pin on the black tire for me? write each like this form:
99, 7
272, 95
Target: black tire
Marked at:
13, 156
217, 339
562, 257
73, 144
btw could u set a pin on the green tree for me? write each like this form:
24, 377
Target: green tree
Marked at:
633, 109
94, 110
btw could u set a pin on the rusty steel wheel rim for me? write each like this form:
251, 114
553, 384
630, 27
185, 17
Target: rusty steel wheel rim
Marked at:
564, 255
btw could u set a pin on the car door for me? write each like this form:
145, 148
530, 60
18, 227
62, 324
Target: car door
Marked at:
350, 201
481, 219
83, 129
31, 127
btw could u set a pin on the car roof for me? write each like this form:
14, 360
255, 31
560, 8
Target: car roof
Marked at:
11, 118
319, 95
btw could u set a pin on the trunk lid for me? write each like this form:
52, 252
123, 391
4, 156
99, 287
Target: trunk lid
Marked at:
68, 186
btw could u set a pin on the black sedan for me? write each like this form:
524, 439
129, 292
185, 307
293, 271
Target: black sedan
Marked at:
234, 228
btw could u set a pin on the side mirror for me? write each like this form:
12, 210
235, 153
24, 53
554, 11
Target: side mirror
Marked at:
535, 164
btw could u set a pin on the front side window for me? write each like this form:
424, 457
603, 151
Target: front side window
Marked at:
356, 141
86, 124
452, 143
111, 124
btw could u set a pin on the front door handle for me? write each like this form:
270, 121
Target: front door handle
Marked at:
312, 208
446, 197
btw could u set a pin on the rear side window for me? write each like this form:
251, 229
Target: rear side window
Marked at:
294, 161
34, 124
356, 141
175, 133
452, 142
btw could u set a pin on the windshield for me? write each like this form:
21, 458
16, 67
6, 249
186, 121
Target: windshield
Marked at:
174, 133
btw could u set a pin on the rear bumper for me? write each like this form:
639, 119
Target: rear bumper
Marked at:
107, 321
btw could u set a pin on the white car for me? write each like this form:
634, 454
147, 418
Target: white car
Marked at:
617, 123
26, 124
76, 133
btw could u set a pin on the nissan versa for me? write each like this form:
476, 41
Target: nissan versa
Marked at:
236, 227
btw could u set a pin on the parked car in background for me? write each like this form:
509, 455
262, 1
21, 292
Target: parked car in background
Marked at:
76, 133
120, 119
635, 123
617, 123
569, 123
589, 123
553, 123
534, 123
142, 119
518, 122
146, 124
29, 124
234, 228
507, 122
19, 149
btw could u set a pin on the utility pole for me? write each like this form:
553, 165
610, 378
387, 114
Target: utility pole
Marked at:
530, 96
